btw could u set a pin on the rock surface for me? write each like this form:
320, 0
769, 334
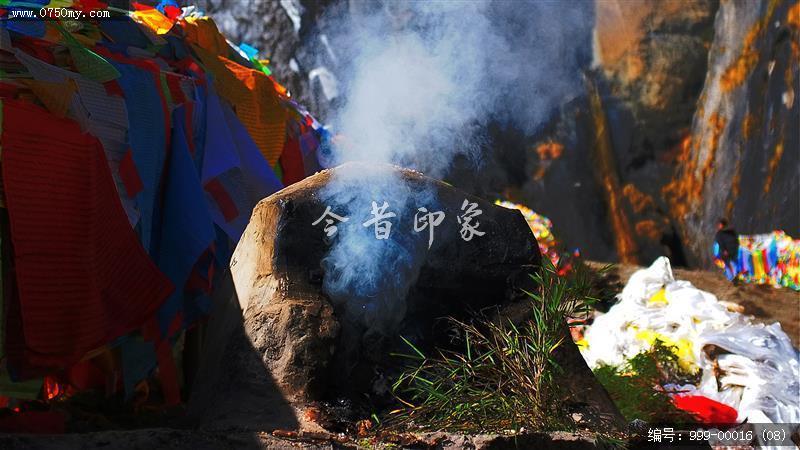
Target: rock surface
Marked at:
742, 159
279, 274
287, 33
682, 159
166, 438
699, 102
652, 56
650, 62
305, 346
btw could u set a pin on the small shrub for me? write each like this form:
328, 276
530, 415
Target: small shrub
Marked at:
503, 377
636, 388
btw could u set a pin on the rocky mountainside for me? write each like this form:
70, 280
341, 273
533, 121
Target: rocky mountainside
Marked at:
687, 114
606, 156
742, 158
290, 34
651, 60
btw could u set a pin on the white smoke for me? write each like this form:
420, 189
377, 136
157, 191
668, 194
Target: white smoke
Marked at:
423, 79
420, 83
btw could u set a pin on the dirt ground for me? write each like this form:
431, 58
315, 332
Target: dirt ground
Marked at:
765, 303
165, 438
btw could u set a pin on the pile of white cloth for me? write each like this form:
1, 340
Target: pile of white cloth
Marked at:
758, 374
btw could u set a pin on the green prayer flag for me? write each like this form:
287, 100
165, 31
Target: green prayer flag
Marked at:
89, 64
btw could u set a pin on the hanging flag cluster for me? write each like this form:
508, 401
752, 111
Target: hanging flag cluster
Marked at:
771, 258
135, 145
541, 227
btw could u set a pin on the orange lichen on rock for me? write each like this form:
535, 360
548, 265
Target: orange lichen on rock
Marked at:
793, 20
773, 166
539, 173
625, 246
740, 69
793, 16
619, 30
716, 123
648, 229
676, 191
788, 77
638, 200
550, 150
623, 29
748, 125
607, 174
735, 184
685, 191
547, 151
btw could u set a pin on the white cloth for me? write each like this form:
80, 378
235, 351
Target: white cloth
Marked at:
760, 374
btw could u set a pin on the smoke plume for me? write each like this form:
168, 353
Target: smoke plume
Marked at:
420, 83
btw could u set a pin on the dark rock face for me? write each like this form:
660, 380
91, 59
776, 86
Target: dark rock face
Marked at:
683, 158
653, 54
554, 173
650, 62
597, 168
696, 134
680, 159
742, 159
653, 59
279, 270
287, 33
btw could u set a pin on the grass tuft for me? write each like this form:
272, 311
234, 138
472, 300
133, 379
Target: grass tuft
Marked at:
502, 376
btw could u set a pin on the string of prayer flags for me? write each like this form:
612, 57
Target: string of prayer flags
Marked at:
770, 258
134, 150
187, 230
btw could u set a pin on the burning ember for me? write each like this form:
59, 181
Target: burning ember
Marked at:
52, 388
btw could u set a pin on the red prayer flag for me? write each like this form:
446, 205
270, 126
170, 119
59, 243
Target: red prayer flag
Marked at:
706, 410
130, 175
224, 201
83, 277
291, 162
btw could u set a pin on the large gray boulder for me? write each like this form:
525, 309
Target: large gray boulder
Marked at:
321, 311
304, 293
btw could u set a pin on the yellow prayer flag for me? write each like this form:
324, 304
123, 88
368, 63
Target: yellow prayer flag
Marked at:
55, 96
154, 20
